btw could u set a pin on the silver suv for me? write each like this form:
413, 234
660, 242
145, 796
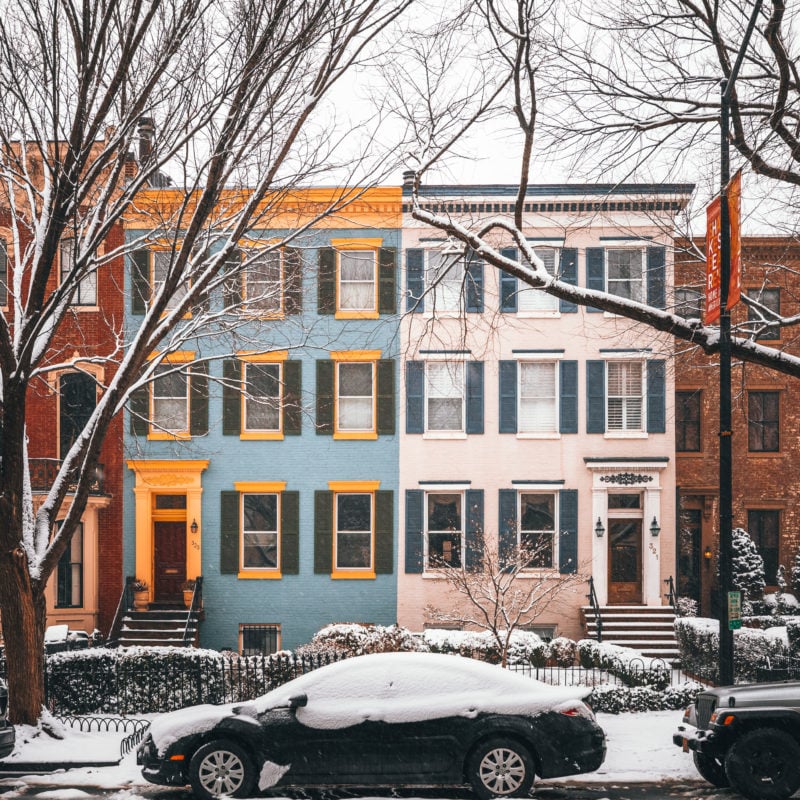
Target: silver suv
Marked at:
746, 737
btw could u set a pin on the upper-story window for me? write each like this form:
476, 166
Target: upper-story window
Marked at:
358, 281
537, 527
625, 402
444, 280
688, 302
77, 400
444, 530
536, 300
538, 397
624, 272
353, 531
355, 397
688, 409
263, 282
763, 421
260, 517
161, 267
770, 298
170, 400
85, 293
444, 390
262, 396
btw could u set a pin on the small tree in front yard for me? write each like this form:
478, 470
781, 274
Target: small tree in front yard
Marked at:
747, 567
502, 591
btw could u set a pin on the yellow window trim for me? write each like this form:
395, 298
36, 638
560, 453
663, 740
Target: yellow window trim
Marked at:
356, 315
355, 355
255, 244
255, 357
261, 436
164, 436
365, 245
178, 357
259, 487
259, 574
353, 575
354, 486
357, 244
363, 436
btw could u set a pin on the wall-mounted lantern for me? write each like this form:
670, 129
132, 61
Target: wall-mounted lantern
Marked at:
599, 530
655, 528
194, 527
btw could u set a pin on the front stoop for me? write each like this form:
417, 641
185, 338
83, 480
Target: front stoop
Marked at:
648, 629
159, 627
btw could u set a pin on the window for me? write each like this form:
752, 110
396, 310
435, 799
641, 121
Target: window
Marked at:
69, 583
537, 515
353, 532
161, 268
763, 421
262, 397
687, 421
530, 299
625, 396
444, 530
770, 298
444, 279
764, 527
259, 640
260, 515
688, 303
262, 282
625, 273
3, 272
77, 396
85, 293
444, 392
358, 281
170, 409
355, 407
538, 406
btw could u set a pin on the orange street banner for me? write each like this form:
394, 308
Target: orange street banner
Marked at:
713, 304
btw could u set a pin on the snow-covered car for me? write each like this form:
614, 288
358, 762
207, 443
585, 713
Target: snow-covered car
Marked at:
746, 737
383, 719
6, 728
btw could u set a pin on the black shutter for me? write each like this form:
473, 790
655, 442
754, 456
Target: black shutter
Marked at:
508, 397
139, 410
568, 405
198, 399
415, 397
595, 271
326, 284
568, 532
507, 526
229, 533
325, 382
140, 281
569, 274
508, 283
231, 397
656, 277
415, 280
386, 393
323, 532
292, 402
474, 396
384, 532
656, 396
474, 277
473, 538
387, 280
595, 396
293, 280
232, 291
290, 533
414, 525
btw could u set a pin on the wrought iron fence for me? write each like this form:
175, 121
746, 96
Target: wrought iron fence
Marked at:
777, 668
632, 672
137, 728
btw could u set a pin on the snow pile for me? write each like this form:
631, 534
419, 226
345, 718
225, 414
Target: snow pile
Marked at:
525, 646
629, 665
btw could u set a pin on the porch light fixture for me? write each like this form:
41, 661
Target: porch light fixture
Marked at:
655, 528
193, 527
707, 555
599, 530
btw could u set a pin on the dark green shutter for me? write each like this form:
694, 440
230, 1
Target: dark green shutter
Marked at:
231, 397
203, 300
323, 532
325, 380
595, 271
568, 405
568, 274
595, 396
415, 280
656, 396
140, 281
326, 284
232, 291
474, 396
507, 526
384, 532
414, 518
139, 410
290, 533
474, 278
656, 277
473, 538
292, 399
508, 284
386, 393
293, 280
415, 396
568, 532
198, 399
387, 280
508, 397
229, 533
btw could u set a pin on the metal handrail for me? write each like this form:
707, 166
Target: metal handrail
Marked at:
670, 595
125, 604
598, 619
195, 605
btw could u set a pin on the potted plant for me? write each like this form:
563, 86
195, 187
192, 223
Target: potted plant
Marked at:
141, 594
188, 592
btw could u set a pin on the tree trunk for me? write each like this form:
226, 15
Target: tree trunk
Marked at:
24, 640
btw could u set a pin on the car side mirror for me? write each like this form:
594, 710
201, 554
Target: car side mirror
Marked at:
298, 701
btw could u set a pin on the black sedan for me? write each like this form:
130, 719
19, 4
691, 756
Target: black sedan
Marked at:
385, 719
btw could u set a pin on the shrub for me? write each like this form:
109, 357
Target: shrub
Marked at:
630, 666
686, 607
617, 699
563, 651
524, 647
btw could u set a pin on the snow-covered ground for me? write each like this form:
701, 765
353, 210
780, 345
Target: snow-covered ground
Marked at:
640, 750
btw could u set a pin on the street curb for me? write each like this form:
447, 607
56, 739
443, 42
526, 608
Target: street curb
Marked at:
41, 767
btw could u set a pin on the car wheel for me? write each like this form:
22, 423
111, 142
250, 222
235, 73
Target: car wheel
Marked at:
221, 769
764, 764
712, 769
500, 767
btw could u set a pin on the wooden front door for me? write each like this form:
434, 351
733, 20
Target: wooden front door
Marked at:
624, 561
170, 560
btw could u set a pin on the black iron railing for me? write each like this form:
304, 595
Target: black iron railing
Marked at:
45, 470
194, 608
125, 604
595, 606
670, 593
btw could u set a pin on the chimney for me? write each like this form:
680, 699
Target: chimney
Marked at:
131, 167
408, 178
147, 132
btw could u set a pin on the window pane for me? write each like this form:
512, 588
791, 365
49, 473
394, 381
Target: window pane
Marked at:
625, 273
764, 530
687, 421
259, 640
263, 282
688, 303
530, 299
355, 404
353, 512
161, 267
357, 280
444, 530
445, 276
537, 527
260, 531
770, 298
445, 387
625, 401
763, 425
537, 398
263, 397
353, 550
353, 531
69, 583
170, 400
624, 501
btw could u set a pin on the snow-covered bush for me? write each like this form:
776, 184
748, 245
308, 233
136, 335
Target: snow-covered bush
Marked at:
781, 604
525, 646
629, 665
563, 651
747, 567
617, 699
795, 573
686, 607
353, 639
83, 681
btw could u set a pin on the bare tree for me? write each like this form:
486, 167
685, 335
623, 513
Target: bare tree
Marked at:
229, 104
504, 591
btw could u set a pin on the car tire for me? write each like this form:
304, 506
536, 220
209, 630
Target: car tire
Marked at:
500, 767
764, 764
712, 769
221, 768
